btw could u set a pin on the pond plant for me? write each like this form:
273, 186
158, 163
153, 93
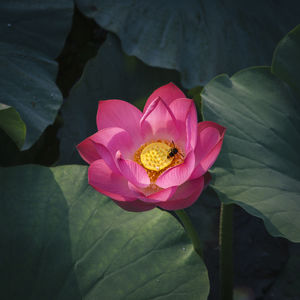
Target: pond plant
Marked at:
160, 194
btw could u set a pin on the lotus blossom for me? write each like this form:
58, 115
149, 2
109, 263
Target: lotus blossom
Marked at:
156, 158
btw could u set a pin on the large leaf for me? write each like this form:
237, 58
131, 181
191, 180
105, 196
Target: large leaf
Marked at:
60, 239
110, 75
286, 60
32, 36
259, 165
12, 124
199, 38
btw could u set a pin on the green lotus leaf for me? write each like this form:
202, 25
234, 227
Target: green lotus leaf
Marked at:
60, 239
259, 165
199, 38
12, 124
32, 36
286, 60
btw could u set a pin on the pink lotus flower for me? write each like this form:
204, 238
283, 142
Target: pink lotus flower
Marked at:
158, 157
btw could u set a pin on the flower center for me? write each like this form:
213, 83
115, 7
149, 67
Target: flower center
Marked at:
155, 157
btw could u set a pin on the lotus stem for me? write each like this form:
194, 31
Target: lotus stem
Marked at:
190, 230
226, 254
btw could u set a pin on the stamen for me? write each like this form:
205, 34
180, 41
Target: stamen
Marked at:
154, 157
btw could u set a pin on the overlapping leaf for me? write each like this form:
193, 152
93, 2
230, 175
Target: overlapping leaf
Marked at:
286, 60
259, 166
199, 38
12, 124
60, 239
32, 36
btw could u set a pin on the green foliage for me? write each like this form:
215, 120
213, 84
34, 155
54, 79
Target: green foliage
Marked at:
32, 35
199, 38
259, 166
286, 59
12, 124
60, 239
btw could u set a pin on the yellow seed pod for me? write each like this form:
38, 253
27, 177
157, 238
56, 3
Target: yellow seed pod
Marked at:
155, 156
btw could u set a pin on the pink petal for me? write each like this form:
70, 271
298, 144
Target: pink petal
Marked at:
209, 160
105, 181
168, 93
177, 175
185, 195
158, 122
161, 196
209, 135
191, 129
209, 143
135, 206
88, 151
115, 139
107, 157
133, 172
180, 204
109, 141
185, 113
118, 113
189, 188
114, 196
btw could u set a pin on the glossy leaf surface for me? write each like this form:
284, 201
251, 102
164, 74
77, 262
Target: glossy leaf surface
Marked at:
259, 165
60, 239
12, 124
199, 38
32, 36
286, 60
